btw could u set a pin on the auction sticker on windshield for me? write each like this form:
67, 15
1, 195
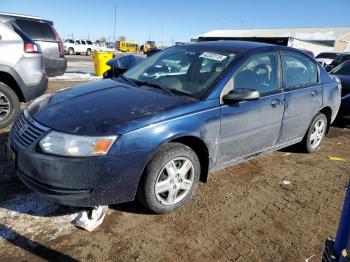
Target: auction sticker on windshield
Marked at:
213, 56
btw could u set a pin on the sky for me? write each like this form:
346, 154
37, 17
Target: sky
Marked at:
180, 20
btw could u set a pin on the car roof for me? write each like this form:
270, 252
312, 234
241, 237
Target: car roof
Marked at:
28, 17
242, 46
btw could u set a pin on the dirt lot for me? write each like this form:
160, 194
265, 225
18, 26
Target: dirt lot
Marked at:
243, 213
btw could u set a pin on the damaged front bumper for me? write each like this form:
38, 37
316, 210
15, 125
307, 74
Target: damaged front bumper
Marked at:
80, 182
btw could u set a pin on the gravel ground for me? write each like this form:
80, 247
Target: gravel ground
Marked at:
243, 213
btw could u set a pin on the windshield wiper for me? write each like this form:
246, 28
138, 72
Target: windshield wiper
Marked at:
128, 80
162, 87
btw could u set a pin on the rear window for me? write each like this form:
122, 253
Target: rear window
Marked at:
327, 55
36, 30
89, 42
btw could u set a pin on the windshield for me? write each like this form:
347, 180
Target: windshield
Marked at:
342, 69
187, 69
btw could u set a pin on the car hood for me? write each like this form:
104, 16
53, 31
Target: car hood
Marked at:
103, 108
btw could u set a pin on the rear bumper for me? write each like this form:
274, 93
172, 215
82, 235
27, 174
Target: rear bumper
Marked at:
33, 91
55, 66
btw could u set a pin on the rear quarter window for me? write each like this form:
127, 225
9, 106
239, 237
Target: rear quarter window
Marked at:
36, 30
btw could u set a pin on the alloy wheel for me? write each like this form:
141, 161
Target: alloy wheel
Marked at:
317, 133
174, 181
5, 106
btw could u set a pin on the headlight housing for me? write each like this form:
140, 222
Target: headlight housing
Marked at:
61, 144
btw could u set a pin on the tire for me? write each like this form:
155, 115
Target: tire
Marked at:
315, 134
70, 51
175, 189
9, 105
88, 52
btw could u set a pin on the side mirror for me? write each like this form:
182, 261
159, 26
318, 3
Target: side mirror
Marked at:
241, 94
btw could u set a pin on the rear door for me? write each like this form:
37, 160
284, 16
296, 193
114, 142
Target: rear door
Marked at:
250, 127
303, 94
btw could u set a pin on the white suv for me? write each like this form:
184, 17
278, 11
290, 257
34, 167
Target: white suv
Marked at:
78, 46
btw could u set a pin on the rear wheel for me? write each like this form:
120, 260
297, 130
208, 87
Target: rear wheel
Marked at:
70, 51
88, 52
9, 105
170, 178
315, 134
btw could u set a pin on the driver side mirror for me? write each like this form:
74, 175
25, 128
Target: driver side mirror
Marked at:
240, 94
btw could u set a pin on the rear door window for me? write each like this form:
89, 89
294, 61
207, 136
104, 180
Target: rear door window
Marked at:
83, 42
37, 30
299, 71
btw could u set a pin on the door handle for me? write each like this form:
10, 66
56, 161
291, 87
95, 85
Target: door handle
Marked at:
275, 103
314, 93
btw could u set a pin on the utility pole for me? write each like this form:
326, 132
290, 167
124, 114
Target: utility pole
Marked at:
115, 21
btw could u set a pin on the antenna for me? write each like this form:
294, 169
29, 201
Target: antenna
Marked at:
115, 20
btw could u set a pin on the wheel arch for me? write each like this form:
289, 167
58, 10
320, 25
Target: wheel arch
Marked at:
193, 142
9, 80
327, 111
201, 150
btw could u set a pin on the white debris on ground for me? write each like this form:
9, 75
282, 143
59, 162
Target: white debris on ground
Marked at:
75, 76
285, 182
90, 219
32, 216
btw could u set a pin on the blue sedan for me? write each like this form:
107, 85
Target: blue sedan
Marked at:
164, 125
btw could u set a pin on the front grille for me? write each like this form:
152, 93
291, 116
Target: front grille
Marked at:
26, 130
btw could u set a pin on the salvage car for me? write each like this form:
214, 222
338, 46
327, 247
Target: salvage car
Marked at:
326, 58
165, 124
343, 73
120, 65
340, 58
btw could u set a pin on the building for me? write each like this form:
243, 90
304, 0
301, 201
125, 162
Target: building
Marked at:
316, 40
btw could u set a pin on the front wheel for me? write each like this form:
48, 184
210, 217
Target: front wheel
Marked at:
70, 51
170, 179
315, 133
9, 105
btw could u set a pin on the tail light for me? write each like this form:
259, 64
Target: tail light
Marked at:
31, 48
29, 45
60, 43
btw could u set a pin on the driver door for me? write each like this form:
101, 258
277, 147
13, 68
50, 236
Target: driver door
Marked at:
250, 127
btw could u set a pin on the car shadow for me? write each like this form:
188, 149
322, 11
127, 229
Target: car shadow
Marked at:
295, 149
133, 207
32, 246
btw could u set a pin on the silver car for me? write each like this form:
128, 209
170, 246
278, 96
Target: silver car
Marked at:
45, 35
22, 74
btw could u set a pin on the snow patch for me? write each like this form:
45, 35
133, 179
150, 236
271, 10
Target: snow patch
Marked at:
31, 216
76, 76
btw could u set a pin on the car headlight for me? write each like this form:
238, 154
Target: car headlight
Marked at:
61, 144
